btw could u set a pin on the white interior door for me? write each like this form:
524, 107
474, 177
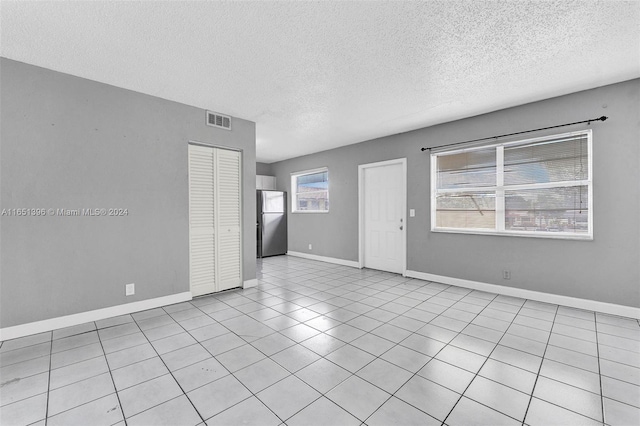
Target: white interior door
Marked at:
383, 216
215, 245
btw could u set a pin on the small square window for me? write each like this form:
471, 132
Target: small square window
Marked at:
310, 191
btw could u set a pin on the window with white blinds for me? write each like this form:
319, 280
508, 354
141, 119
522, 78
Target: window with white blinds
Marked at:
538, 187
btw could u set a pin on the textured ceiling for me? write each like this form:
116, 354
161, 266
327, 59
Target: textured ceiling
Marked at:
317, 75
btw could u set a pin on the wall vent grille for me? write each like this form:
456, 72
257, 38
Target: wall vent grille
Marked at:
218, 120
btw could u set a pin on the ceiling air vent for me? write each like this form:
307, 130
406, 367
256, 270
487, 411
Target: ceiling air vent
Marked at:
218, 120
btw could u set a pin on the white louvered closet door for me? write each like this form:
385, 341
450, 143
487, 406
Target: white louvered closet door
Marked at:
202, 236
214, 219
227, 174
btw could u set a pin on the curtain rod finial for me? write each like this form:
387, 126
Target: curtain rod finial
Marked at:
603, 118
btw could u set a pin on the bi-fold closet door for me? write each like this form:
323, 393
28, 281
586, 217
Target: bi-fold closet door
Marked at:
215, 248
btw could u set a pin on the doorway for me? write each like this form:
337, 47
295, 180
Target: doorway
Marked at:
382, 200
215, 218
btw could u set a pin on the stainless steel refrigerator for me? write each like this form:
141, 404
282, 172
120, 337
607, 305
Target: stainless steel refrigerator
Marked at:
272, 223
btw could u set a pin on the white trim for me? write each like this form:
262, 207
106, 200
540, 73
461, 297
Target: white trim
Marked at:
344, 262
361, 168
310, 171
433, 175
507, 233
590, 178
500, 201
310, 212
213, 145
556, 299
95, 315
250, 283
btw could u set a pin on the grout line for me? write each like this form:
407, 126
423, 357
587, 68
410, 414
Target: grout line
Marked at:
266, 357
84, 403
169, 372
69, 384
323, 394
30, 375
535, 383
214, 357
486, 357
392, 394
600, 374
46, 412
376, 357
115, 389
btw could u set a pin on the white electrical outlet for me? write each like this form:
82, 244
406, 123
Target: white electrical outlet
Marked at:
506, 274
130, 289
310, 247
412, 212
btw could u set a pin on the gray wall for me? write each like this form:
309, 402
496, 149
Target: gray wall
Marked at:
264, 169
605, 269
72, 143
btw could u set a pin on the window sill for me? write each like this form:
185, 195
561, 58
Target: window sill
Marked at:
310, 211
548, 235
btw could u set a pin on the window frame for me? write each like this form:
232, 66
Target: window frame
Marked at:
294, 187
499, 189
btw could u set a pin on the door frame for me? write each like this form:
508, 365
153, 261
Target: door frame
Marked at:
241, 172
361, 169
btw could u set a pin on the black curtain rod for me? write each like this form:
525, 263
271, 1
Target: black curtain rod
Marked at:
603, 118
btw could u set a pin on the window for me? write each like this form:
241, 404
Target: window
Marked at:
310, 191
538, 187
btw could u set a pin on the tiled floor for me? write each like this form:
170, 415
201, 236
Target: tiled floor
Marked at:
317, 343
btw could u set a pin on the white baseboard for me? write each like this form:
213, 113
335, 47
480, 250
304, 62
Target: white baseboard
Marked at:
14, 332
250, 283
344, 262
556, 299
